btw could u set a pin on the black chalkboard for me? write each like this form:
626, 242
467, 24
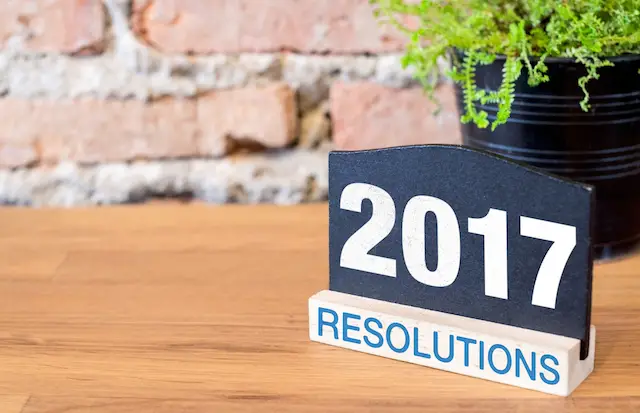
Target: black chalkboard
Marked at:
462, 231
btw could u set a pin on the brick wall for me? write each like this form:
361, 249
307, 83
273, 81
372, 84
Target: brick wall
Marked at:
218, 100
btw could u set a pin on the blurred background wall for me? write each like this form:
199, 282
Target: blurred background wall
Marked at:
215, 100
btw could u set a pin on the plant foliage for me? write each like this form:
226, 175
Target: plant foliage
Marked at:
523, 32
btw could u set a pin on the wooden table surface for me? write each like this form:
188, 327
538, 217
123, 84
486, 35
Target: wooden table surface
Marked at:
204, 309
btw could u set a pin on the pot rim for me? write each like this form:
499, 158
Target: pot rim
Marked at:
627, 57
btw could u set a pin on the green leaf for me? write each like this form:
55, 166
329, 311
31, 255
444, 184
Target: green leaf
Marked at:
526, 32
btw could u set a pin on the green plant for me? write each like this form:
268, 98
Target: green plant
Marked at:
523, 32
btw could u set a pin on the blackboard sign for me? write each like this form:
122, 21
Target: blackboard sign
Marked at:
464, 232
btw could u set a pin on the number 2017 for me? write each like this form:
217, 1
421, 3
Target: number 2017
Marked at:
493, 227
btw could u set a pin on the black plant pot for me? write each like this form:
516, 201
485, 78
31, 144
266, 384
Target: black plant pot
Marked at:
548, 129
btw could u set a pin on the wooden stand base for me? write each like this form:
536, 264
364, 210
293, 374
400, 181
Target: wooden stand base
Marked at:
496, 352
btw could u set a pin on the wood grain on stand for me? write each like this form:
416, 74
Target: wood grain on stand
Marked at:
170, 308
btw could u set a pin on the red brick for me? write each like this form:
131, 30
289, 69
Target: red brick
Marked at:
91, 131
16, 148
57, 25
266, 115
369, 116
16, 155
205, 26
